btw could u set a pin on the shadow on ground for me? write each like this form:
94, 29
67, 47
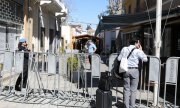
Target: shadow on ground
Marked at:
95, 81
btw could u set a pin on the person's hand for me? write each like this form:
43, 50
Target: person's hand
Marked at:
140, 47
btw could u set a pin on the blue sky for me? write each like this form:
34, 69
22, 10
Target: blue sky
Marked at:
86, 11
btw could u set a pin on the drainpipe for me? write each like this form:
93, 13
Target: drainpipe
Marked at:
39, 14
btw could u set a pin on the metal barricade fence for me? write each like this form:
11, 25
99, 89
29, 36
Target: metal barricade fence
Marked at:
153, 76
112, 61
171, 79
6, 69
150, 76
58, 79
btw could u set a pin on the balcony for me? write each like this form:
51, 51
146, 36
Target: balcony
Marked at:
54, 6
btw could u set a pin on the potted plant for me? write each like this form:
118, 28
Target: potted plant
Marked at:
72, 67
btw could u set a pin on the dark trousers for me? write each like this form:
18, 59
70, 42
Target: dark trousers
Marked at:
22, 78
89, 56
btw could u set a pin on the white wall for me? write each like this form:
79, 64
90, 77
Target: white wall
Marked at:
66, 33
48, 21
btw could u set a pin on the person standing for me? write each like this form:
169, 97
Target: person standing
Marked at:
91, 50
131, 77
22, 46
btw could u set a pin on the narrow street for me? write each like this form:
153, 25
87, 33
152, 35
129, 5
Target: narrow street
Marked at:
71, 53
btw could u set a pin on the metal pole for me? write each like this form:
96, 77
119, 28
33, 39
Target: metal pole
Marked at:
157, 42
28, 22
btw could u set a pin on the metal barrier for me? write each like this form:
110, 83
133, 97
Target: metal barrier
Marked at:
171, 78
6, 69
153, 76
112, 59
58, 79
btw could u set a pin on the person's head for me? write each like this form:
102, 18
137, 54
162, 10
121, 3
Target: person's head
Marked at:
22, 42
135, 41
89, 42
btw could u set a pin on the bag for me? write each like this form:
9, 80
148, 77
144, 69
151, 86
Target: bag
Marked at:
105, 82
115, 70
103, 99
120, 67
123, 65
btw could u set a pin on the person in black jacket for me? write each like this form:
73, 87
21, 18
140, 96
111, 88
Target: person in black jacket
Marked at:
22, 46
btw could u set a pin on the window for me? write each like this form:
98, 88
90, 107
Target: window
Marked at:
42, 37
151, 3
148, 41
15, 10
166, 43
51, 40
51, 36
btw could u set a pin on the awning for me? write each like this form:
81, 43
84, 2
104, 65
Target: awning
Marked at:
113, 21
54, 6
85, 36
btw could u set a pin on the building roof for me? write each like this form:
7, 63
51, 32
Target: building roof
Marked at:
113, 21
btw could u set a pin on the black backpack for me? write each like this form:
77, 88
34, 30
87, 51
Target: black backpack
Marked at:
115, 70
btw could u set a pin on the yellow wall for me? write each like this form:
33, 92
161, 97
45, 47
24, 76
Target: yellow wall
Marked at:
133, 4
71, 39
27, 27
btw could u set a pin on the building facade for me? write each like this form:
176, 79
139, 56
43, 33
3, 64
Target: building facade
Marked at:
146, 30
42, 24
137, 6
39, 21
140, 20
116, 7
11, 23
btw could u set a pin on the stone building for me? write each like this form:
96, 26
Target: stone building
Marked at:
39, 21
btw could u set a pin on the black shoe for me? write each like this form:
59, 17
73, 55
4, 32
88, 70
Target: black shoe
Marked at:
17, 88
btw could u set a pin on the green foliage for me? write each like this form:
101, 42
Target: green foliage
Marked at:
61, 50
72, 63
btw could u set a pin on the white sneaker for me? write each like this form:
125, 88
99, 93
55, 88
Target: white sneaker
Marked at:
23, 91
18, 92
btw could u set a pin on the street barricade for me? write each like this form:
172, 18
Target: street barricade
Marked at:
171, 78
111, 69
148, 79
59, 79
6, 69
